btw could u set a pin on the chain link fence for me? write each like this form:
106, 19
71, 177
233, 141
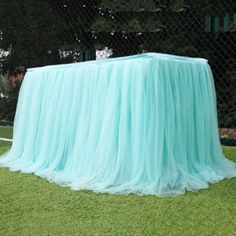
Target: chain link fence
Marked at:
97, 29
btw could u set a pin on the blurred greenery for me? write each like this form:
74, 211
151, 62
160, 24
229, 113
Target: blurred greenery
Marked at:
31, 31
9, 100
50, 32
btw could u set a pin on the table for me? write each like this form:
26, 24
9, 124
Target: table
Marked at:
143, 124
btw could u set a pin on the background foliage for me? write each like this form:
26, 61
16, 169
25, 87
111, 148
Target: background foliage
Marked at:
45, 32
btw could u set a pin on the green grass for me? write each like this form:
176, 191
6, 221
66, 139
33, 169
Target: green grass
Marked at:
5, 132
30, 205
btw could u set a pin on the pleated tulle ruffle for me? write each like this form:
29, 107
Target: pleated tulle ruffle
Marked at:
142, 124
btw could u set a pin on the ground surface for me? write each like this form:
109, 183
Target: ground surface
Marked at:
30, 205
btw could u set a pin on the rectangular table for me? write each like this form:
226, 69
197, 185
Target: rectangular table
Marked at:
144, 124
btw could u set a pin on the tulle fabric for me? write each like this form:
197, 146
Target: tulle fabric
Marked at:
143, 124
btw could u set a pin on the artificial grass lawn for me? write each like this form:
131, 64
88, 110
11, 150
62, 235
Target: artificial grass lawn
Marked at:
30, 205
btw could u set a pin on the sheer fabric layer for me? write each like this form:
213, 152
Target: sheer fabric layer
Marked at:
144, 124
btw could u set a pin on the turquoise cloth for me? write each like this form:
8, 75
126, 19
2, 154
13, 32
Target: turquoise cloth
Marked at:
144, 124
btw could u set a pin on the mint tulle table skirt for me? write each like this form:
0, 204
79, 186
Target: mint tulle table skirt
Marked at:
144, 124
